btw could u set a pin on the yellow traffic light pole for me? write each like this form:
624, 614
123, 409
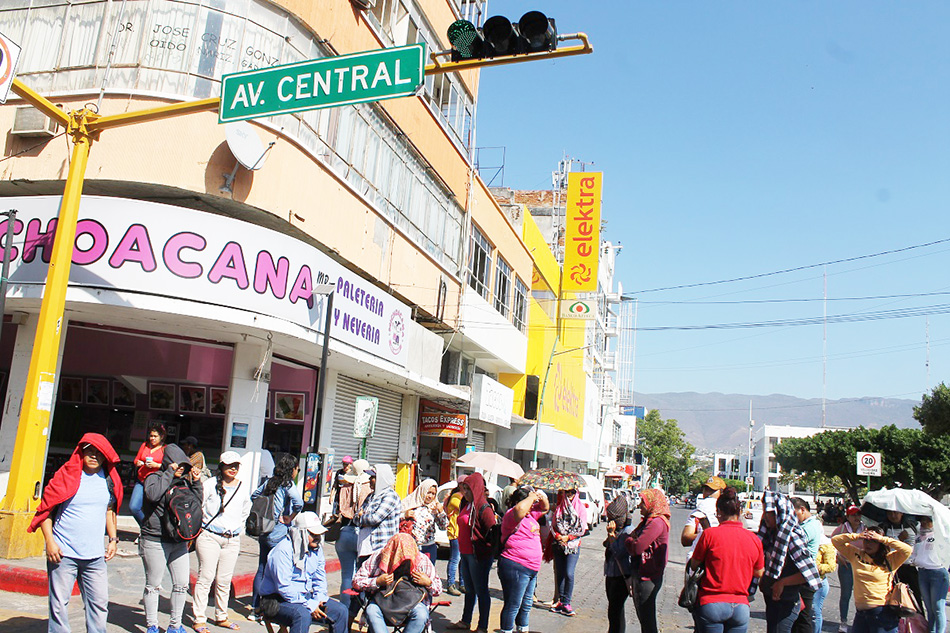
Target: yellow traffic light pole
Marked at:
84, 126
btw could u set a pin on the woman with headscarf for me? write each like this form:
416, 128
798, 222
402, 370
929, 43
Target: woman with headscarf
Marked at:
451, 506
399, 557
520, 558
617, 568
160, 550
569, 525
426, 514
475, 519
77, 511
353, 490
791, 574
379, 515
647, 546
873, 566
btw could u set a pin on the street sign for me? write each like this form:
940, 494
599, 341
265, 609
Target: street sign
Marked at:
364, 425
9, 54
869, 464
322, 83
750, 480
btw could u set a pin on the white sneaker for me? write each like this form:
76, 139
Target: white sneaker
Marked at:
843, 627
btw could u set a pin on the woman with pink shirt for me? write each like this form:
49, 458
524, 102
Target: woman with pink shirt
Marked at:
520, 559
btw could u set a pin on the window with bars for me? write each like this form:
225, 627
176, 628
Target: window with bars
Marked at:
479, 266
502, 287
519, 309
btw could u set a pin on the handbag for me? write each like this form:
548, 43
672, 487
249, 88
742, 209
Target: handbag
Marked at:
902, 600
689, 596
398, 599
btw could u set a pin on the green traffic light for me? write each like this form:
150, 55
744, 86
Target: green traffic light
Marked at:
462, 36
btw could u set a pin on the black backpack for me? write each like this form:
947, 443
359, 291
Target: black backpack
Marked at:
182, 518
493, 536
261, 519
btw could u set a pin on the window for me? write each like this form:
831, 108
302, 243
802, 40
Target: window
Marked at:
479, 266
519, 311
502, 287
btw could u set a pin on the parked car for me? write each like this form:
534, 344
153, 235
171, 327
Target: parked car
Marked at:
752, 514
591, 506
443, 491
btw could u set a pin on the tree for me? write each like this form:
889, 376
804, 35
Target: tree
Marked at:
661, 442
677, 481
910, 458
934, 411
738, 484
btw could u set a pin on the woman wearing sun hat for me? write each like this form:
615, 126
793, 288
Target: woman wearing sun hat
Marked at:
226, 506
354, 488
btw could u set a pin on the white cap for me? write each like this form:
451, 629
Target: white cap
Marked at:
229, 457
309, 521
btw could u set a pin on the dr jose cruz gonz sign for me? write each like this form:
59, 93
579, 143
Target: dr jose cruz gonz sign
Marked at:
321, 83
160, 250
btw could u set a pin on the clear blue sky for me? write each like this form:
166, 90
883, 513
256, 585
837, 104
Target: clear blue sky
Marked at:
740, 138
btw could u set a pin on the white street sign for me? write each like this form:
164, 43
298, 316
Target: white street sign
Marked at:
9, 54
869, 464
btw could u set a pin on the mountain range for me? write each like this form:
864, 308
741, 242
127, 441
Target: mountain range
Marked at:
720, 421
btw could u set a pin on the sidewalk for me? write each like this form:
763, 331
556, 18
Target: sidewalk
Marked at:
28, 575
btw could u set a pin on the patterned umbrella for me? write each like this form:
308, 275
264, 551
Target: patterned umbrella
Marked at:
552, 479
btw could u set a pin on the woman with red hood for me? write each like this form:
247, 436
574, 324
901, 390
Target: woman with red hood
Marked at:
475, 519
77, 509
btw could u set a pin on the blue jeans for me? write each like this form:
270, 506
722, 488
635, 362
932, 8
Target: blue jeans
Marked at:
564, 565
136, 501
780, 615
933, 589
432, 551
266, 543
346, 552
93, 585
454, 558
415, 623
876, 620
846, 578
298, 617
819, 602
722, 617
517, 589
475, 573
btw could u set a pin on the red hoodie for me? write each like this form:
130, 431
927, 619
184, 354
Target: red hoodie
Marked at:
65, 483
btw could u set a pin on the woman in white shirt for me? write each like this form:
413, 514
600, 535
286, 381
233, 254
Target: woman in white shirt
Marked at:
934, 578
227, 503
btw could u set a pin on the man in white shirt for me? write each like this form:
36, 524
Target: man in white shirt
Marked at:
704, 516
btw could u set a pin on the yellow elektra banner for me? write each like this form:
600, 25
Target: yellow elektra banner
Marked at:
582, 235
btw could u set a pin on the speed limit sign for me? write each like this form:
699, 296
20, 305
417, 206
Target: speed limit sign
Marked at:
869, 464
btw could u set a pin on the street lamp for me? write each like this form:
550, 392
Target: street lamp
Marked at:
313, 473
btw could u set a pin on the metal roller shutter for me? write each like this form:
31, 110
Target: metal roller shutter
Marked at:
477, 439
383, 447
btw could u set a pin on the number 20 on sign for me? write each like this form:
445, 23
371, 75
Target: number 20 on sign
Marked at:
869, 464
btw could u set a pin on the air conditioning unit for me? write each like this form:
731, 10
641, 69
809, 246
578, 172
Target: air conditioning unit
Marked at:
365, 4
30, 122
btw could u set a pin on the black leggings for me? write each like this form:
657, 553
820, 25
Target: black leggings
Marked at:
645, 593
616, 601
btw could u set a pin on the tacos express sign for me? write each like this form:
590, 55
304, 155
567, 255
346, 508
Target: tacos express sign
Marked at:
155, 249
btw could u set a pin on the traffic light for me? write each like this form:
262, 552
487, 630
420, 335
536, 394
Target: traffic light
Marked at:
533, 33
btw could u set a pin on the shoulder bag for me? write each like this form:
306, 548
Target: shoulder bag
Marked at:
900, 599
398, 599
689, 596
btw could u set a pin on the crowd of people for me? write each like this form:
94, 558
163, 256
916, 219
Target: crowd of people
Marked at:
387, 549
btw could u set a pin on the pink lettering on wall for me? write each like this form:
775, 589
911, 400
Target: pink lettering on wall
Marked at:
268, 274
303, 286
37, 239
230, 264
100, 242
134, 246
171, 254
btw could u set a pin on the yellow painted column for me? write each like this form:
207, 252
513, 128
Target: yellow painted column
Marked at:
26, 468
403, 479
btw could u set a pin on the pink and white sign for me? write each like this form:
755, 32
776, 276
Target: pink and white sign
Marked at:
147, 247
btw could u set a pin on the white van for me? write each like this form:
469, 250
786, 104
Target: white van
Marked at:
592, 495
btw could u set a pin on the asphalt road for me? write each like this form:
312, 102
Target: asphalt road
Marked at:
20, 612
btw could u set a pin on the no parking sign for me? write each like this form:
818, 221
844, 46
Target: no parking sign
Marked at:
9, 54
869, 464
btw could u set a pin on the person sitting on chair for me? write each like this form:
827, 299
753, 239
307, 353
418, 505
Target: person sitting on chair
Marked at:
399, 558
294, 586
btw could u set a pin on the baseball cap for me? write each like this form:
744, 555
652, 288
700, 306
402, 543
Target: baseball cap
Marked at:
348, 459
311, 522
229, 457
715, 483
853, 510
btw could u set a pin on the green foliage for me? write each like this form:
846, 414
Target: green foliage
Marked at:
668, 454
934, 411
697, 479
910, 458
738, 484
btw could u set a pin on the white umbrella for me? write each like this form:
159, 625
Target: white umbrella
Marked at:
493, 463
919, 503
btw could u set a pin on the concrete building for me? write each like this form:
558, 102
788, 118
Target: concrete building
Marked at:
765, 468
191, 298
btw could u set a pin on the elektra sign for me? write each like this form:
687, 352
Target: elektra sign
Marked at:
144, 247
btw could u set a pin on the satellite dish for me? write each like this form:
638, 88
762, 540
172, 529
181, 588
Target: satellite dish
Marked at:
245, 144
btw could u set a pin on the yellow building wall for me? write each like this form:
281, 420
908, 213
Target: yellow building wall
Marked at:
562, 373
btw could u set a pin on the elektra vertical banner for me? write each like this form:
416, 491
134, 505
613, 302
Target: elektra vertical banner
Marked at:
582, 232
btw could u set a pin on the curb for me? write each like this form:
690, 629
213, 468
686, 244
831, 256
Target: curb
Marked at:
34, 582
